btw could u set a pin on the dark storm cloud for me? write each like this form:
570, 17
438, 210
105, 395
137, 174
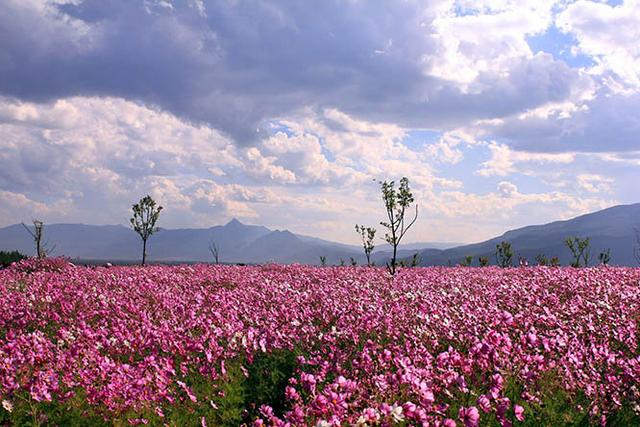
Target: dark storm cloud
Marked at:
233, 64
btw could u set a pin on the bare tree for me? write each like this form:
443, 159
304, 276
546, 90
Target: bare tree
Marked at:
143, 221
215, 251
368, 234
42, 248
396, 203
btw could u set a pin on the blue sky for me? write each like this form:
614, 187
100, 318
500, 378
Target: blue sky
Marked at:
501, 113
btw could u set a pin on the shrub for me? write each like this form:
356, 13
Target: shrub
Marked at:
8, 258
504, 254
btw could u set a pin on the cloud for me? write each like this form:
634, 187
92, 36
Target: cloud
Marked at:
607, 123
505, 161
507, 189
285, 113
608, 34
594, 183
234, 65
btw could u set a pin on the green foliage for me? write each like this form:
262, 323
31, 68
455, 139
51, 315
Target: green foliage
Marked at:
143, 221
416, 259
542, 260
466, 262
605, 257
368, 234
7, 258
268, 376
323, 260
580, 250
232, 401
504, 254
554, 261
483, 261
353, 261
396, 202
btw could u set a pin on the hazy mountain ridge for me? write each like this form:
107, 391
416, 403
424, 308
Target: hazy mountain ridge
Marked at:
609, 228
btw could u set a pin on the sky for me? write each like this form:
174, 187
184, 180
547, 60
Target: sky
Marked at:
286, 113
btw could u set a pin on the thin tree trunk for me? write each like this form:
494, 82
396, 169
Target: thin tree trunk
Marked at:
144, 252
393, 263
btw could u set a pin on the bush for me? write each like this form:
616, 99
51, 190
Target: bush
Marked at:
51, 265
8, 258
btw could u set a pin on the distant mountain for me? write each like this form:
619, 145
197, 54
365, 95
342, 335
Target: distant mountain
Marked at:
611, 228
237, 242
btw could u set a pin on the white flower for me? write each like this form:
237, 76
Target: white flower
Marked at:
323, 423
396, 413
7, 405
362, 421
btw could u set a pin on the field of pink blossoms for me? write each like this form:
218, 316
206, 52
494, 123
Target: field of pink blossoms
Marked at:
298, 346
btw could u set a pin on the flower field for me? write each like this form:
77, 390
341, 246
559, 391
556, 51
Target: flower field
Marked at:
297, 345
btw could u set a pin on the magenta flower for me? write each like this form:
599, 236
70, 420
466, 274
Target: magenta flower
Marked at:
519, 412
470, 417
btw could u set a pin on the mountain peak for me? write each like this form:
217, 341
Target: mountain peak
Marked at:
234, 223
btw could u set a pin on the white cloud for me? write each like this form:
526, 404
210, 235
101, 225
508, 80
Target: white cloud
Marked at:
505, 161
485, 37
608, 34
507, 189
343, 100
593, 183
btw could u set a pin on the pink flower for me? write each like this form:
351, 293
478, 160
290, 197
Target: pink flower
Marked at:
484, 403
291, 393
519, 411
470, 417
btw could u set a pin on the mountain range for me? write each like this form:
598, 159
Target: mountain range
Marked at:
611, 228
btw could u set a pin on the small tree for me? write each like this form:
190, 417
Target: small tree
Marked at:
542, 260
580, 250
143, 221
483, 261
554, 261
7, 258
342, 263
416, 259
466, 262
605, 257
215, 251
353, 261
42, 248
368, 234
504, 254
323, 260
636, 250
396, 203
